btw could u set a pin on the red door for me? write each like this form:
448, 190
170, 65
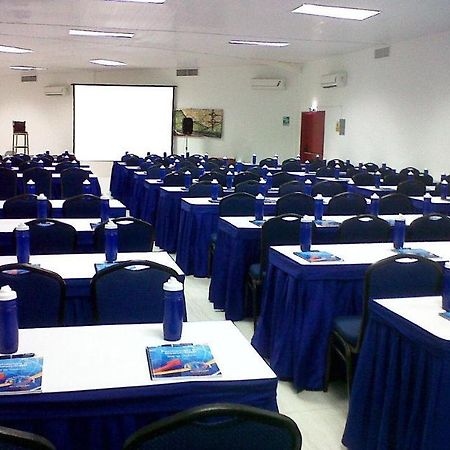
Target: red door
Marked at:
311, 135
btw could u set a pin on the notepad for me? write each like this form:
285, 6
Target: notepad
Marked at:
259, 223
415, 251
317, 256
21, 375
213, 201
321, 223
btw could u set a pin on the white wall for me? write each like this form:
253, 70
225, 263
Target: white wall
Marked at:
252, 118
397, 109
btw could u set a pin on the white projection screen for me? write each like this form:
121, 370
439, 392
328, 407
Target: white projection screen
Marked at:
109, 120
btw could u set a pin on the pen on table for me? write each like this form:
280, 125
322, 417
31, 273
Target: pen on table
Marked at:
19, 355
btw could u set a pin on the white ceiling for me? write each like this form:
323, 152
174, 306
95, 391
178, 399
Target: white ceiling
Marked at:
195, 33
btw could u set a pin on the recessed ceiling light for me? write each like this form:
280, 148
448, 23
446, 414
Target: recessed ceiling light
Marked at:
6, 49
107, 62
338, 12
137, 1
260, 43
26, 68
95, 33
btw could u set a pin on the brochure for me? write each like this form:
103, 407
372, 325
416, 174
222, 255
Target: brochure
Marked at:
317, 256
415, 251
181, 360
20, 375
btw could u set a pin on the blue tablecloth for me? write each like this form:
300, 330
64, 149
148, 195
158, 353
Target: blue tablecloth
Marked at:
116, 183
149, 201
401, 390
298, 306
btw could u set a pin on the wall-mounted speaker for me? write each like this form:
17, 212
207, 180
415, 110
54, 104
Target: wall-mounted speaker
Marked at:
188, 125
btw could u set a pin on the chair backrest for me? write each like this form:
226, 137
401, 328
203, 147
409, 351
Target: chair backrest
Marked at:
12, 439
8, 183
217, 161
245, 176
250, 187
396, 203
280, 230
364, 179
280, 178
314, 165
347, 203
393, 179
84, 205
219, 427
437, 190
64, 165
412, 187
386, 170
131, 159
269, 162
220, 177
72, 182
431, 227
426, 179
256, 170
153, 171
328, 188
364, 228
40, 295
42, 179
134, 235
51, 236
25, 165
371, 167
290, 187
130, 292
23, 207
194, 170
202, 189
406, 171
333, 162
238, 204
292, 166
325, 172
174, 179
295, 203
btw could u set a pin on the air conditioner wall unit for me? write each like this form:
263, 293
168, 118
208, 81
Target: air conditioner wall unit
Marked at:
268, 83
332, 80
54, 91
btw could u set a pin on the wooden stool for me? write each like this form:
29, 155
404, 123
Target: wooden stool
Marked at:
15, 145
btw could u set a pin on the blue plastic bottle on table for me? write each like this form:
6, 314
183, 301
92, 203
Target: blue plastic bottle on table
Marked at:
374, 204
214, 189
23, 243
201, 170
444, 189
443, 175
162, 172
259, 207
8, 164
187, 154
187, 179
399, 232
318, 207
377, 180
269, 180
262, 189
225, 160
305, 233
31, 187
239, 166
276, 159
307, 166
9, 326
383, 165
104, 208
308, 187
40, 163
254, 158
446, 287
111, 241
229, 180
410, 176
86, 187
427, 203
264, 170
205, 156
426, 172
42, 207
177, 164
336, 171
173, 310
347, 162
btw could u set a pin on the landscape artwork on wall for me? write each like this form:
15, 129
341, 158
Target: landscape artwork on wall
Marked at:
207, 122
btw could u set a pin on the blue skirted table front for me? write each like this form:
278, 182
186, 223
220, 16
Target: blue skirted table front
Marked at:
150, 200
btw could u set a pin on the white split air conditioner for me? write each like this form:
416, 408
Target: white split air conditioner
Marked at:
333, 80
55, 90
268, 83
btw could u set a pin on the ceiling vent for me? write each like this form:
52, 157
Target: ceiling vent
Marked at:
55, 91
187, 72
268, 83
382, 52
332, 80
28, 78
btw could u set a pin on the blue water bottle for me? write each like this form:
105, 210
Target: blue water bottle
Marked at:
162, 172
187, 179
23, 243
305, 233
399, 232
111, 241
377, 179
264, 170
254, 158
9, 325
205, 156
229, 180
360, 166
426, 172
201, 170
276, 159
187, 154
262, 189
446, 287
443, 176
177, 164
269, 181
173, 309
306, 166
318, 207
214, 190
444, 189
337, 170
383, 165
225, 160
40, 163
308, 187
8, 164
259, 207
427, 203
42, 207
239, 166
410, 176
86, 187
104, 208
347, 162
31, 187
374, 204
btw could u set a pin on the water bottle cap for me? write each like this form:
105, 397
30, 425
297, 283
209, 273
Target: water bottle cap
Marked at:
262, 180
254, 154
104, 197
264, 167
229, 173
86, 182
225, 157
214, 181
447, 265
307, 161
231, 167
377, 172
22, 227
172, 285
269, 174
308, 182
276, 155
318, 197
336, 166
41, 197
206, 154
161, 166
187, 172
306, 219
444, 182
400, 217
260, 197
30, 182
427, 195
177, 160
410, 173
201, 167
375, 197
40, 161
202, 161
6, 294
110, 225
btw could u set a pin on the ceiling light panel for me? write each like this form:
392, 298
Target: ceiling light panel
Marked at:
26, 68
137, 1
107, 62
6, 49
337, 12
259, 43
98, 33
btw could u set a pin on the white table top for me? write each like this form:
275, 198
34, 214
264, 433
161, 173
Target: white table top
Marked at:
8, 225
114, 356
421, 311
82, 265
58, 175
367, 253
113, 203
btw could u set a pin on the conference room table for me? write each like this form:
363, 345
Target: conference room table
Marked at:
77, 270
300, 300
116, 208
97, 389
401, 390
238, 247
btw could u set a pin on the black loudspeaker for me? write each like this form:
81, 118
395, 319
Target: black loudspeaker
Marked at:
188, 125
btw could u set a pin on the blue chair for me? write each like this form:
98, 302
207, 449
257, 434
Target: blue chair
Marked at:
23, 207
295, 203
12, 439
291, 166
412, 188
174, 179
328, 188
131, 160
316, 164
269, 162
250, 187
371, 167
134, 235
217, 161
72, 182
245, 176
336, 161
393, 179
202, 189
215, 175
130, 292
427, 179
396, 203
153, 171
290, 187
364, 179
25, 165
219, 427
238, 204
8, 183
396, 276
386, 171
84, 205
347, 204
325, 172
364, 228
51, 237
41, 294
64, 165
437, 190
281, 178
42, 179
409, 169
431, 227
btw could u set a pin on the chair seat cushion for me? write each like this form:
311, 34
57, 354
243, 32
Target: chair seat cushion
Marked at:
348, 327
